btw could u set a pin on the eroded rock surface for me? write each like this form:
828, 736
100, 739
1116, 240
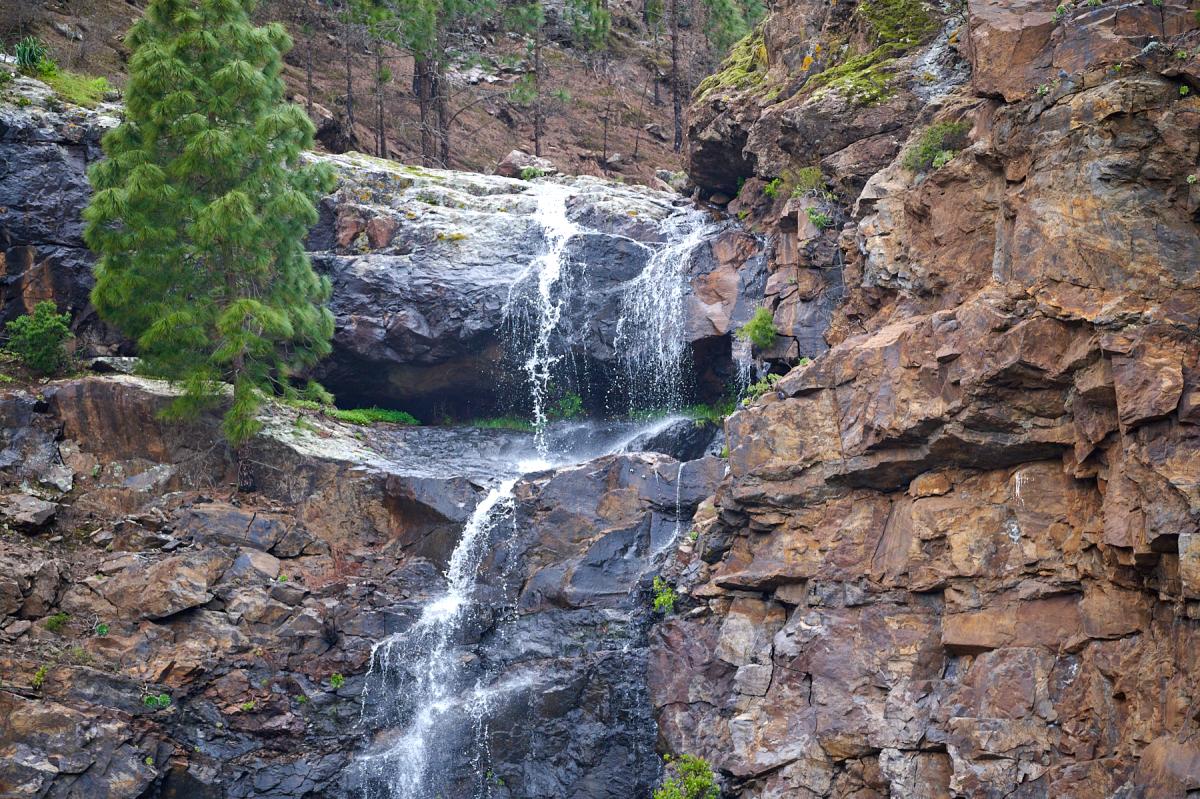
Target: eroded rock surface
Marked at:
956, 554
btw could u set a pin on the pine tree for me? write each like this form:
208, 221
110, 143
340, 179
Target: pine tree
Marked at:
201, 209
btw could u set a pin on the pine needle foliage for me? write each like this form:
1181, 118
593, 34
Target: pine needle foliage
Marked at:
201, 208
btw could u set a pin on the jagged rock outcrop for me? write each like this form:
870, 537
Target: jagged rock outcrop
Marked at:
191, 624
955, 556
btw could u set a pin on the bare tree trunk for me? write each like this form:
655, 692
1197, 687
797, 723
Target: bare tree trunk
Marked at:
308, 74
380, 132
443, 106
348, 54
538, 117
423, 88
676, 99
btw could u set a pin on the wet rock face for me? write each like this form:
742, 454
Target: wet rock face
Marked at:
560, 648
437, 288
956, 554
43, 187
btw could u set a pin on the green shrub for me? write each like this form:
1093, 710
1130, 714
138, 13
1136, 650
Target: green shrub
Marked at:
367, 416
936, 146
532, 173
664, 596
248, 706
156, 701
688, 777
57, 622
31, 55
39, 678
337, 680
808, 181
712, 414
568, 406
819, 218
100, 630
38, 339
757, 389
760, 330
772, 188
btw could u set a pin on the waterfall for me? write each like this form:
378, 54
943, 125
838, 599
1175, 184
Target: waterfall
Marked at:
440, 691
427, 696
551, 216
651, 336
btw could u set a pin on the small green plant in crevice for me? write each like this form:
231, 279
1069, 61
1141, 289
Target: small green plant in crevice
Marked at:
725, 452
1184, 91
39, 677
156, 701
820, 219
57, 622
711, 413
337, 680
1060, 13
100, 629
760, 330
248, 706
568, 406
664, 596
38, 340
688, 777
936, 146
301, 699
532, 173
368, 416
807, 181
1191, 179
772, 188
494, 779
761, 387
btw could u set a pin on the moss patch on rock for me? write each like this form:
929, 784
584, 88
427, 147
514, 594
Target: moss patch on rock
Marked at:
746, 67
897, 27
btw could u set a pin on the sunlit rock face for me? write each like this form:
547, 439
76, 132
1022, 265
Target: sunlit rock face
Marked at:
956, 554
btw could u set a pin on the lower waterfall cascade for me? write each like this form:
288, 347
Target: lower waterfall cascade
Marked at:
426, 700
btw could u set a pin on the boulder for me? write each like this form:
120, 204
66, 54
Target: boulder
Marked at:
26, 513
517, 161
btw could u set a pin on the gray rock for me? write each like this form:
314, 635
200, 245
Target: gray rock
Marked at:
26, 513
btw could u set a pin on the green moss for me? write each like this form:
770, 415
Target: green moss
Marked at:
714, 413
504, 423
664, 596
745, 67
367, 416
57, 622
936, 145
897, 27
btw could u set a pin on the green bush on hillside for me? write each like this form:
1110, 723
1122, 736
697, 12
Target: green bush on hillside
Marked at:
39, 339
936, 146
760, 330
367, 416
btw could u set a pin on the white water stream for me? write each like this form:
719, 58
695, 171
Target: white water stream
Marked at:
444, 702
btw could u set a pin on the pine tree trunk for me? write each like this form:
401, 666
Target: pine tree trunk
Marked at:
676, 99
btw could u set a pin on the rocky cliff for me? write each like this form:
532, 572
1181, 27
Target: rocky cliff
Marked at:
957, 554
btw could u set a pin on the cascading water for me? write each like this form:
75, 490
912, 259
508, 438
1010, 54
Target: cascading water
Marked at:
426, 696
438, 693
650, 335
551, 216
